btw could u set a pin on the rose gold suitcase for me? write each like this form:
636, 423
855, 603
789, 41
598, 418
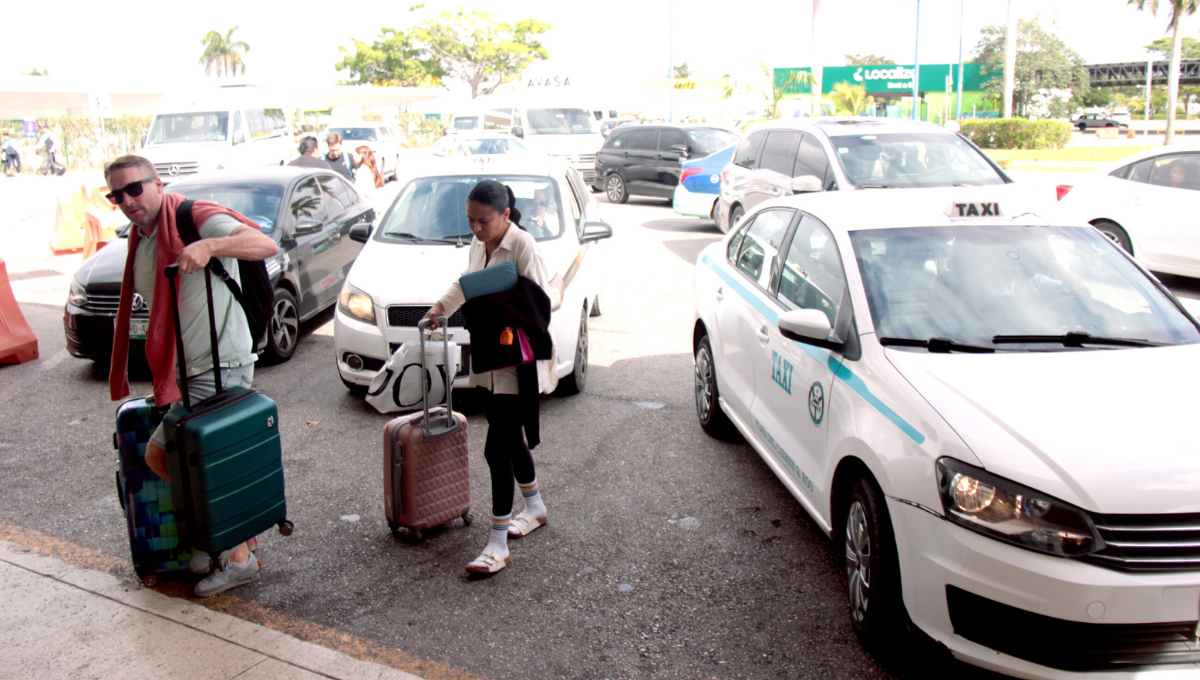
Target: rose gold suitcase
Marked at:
426, 469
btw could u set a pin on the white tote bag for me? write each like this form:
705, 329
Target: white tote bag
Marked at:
397, 386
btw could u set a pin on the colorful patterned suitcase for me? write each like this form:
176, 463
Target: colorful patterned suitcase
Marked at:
145, 497
225, 458
426, 468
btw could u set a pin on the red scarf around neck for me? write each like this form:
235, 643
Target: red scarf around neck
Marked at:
160, 337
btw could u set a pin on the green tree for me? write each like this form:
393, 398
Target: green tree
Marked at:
223, 54
682, 71
1043, 62
35, 72
779, 87
868, 60
1178, 9
850, 100
1189, 48
480, 51
393, 59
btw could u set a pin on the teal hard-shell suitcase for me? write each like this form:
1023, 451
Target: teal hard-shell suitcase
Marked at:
225, 458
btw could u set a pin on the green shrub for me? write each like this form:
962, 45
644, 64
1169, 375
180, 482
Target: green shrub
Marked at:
85, 147
1017, 133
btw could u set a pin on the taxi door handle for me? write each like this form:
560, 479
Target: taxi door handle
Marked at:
720, 294
763, 334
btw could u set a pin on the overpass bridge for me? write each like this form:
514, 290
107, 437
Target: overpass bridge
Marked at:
1133, 74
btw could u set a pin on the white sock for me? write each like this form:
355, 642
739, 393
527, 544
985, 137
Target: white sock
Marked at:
533, 499
498, 538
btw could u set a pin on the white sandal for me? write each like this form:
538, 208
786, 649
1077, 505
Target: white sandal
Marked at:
528, 523
488, 562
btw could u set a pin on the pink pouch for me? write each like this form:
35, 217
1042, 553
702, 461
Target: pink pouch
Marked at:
526, 349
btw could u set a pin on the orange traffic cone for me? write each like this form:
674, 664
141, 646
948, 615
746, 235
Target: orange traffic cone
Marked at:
17, 342
67, 236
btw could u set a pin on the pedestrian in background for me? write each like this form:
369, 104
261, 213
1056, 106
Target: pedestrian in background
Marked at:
341, 161
308, 155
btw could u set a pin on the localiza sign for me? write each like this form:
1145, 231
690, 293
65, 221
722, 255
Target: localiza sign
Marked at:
891, 77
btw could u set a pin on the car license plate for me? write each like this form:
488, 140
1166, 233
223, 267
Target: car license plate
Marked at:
137, 328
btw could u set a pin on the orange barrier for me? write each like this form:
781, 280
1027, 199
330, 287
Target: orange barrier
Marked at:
17, 342
99, 201
95, 234
1131, 134
78, 205
67, 236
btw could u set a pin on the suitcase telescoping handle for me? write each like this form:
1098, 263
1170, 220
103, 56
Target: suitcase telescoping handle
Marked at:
451, 421
180, 364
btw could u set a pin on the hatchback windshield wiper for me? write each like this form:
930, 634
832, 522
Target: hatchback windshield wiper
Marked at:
880, 186
455, 237
406, 236
938, 345
1072, 339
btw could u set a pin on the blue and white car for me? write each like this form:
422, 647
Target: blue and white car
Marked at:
991, 415
700, 184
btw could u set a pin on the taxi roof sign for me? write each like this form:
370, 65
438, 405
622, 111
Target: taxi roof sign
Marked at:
973, 209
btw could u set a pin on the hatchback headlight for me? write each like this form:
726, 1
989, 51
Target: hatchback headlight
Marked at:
1008, 511
353, 302
77, 295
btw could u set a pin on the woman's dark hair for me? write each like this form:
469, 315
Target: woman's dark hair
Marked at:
497, 196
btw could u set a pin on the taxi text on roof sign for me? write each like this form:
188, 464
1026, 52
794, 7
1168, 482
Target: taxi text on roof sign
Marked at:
973, 209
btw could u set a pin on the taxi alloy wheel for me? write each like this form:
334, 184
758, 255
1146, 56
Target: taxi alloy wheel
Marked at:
283, 332
575, 381
1114, 233
614, 188
708, 408
734, 216
872, 572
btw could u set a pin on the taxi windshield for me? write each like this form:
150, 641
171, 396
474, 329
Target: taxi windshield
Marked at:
433, 209
913, 160
991, 286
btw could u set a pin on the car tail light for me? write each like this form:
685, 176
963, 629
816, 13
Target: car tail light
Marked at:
687, 172
724, 176
1062, 190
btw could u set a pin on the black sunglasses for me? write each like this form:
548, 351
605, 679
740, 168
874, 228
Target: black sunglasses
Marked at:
132, 189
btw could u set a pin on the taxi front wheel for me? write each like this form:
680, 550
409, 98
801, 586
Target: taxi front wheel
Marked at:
872, 570
708, 408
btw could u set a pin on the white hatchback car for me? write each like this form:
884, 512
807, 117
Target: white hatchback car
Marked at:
381, 138
470, 144
420, 247
989, 414
1147, 203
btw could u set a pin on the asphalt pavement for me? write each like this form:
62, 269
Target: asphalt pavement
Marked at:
668, 554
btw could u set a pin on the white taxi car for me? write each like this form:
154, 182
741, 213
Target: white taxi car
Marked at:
421, 246
989, 413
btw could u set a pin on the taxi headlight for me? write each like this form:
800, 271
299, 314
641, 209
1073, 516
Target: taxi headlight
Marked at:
353, 302
1014, 513
77, 296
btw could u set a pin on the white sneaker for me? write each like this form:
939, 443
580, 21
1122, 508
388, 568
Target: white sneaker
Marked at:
230, 575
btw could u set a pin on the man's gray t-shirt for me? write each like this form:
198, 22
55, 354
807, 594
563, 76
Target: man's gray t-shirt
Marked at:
233, 332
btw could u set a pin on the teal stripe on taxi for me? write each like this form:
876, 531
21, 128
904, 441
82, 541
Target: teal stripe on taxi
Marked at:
839, 369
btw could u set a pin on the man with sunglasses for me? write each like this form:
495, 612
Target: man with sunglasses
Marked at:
154, 243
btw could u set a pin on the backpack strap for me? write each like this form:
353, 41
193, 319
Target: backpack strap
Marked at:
186, 226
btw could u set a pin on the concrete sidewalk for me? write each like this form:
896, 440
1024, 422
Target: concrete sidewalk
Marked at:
64, 621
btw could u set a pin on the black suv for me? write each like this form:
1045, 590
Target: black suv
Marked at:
309, 213
646, 160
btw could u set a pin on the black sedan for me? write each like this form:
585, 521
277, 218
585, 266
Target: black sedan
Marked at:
314, 215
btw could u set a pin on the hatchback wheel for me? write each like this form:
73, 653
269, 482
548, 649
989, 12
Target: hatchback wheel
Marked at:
575, 382
614, 188
708, 406
872, 572
734, 216
1115, 233
283, 331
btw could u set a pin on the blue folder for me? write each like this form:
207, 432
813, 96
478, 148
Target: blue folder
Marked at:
494, 279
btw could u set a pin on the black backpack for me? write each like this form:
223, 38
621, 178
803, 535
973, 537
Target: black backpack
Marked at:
255, 295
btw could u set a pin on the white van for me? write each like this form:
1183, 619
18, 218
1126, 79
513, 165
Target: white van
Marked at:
225, 127
565, 132
491, 120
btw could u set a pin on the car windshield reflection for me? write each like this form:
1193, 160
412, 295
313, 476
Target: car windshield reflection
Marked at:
913, 160
434, 208
259, 202
971, 284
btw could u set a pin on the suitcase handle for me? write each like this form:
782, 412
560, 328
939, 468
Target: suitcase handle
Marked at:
180, 364
451, 421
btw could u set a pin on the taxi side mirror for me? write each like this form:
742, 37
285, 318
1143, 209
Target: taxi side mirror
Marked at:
595, 231
805, 184
360, 232
809, 326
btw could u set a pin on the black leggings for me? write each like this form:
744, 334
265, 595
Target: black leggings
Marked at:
505, 451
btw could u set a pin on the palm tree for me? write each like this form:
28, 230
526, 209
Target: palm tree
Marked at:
223, 54
1178, 9
850, 100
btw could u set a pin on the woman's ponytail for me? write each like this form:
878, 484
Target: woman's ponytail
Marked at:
497, 196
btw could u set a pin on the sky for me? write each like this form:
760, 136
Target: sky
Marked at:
617, 43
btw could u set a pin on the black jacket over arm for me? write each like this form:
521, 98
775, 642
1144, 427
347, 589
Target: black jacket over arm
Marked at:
526, 307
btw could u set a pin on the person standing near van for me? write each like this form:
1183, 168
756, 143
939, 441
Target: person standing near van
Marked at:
154, 243
342, 162
308, 155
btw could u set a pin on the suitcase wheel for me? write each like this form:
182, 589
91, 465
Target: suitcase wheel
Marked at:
394, 527
286, 527
417, 534
150, 581
467, 517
